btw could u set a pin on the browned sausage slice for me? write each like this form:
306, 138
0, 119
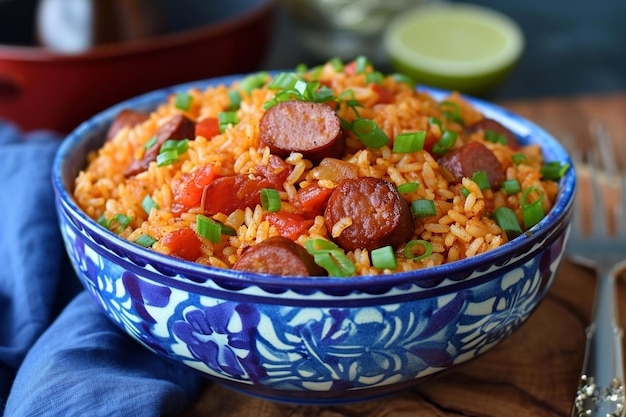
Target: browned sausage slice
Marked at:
312, 129
368, 213
278, 256
486, 125
471, 158
178, 127
125, 118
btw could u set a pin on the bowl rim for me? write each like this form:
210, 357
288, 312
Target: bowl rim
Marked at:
155, 43
484, 262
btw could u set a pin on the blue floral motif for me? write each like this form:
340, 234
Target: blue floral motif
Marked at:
222, 336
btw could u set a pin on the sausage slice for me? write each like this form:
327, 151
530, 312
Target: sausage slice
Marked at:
471, 158
178, 127
125, 118
485, 125
278, 256
368, 213
313, 129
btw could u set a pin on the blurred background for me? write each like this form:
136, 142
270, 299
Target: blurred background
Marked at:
572, 47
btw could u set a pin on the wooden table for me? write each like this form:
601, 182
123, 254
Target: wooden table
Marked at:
532, 373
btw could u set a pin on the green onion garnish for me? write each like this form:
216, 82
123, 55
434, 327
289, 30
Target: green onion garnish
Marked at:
146, 241
270, 200
234, 98
423, 208
481, 179
227, 230
511, 186
151, 142
123, 221
103, 221
403, 78
409, 249
435, 121
374, 78
495, 137
518, 158
369, 133
284, 81
330, 257
384, 258
148, 204
532, 212
226, 118
407, 187
451, 111
182, 101
554, 171
208, 228
445, 143
336, 63
253, 81
506, 219
179, 145
167, 157
361, 64
301, 68
409, 142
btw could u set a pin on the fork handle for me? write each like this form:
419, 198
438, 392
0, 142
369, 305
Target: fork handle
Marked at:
601, 386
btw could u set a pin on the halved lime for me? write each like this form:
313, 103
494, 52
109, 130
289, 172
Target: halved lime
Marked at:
455, 46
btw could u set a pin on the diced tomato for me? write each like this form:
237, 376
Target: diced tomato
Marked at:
183, 243
350, 68
312, 199
276, 171
288, 225
208, 127
188, 193
227, 194
384, 94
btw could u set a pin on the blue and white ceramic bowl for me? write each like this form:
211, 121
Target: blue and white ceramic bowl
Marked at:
312, 340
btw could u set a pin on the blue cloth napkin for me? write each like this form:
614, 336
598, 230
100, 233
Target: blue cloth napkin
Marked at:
59, 355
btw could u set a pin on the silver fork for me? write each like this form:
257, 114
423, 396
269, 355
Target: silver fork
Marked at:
601, 386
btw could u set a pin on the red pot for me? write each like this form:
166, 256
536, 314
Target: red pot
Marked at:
40, 89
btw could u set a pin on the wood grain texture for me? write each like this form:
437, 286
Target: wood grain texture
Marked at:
532, 373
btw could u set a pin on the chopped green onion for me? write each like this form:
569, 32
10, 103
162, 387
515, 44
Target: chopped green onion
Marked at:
336, 63
511, 186
369, 133
507, 220
148, 204
179, 145
374, 78
407, 187
284, 81
208, 228
495, 137
361, 64
384, 258
151, 142
481, 179
330, 257
518, 158
435, 121
451, 111
123, 220
423, 208
253, 81
146, 241
409, 249
403, 78
409, 142
226, 118
445, 143
270, 200
554, 171
182, 101
103, 221
167, 157
532, 212
301, 68
234, 97
227, 230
